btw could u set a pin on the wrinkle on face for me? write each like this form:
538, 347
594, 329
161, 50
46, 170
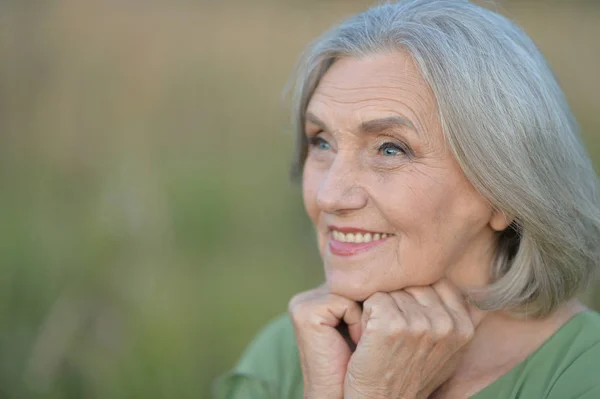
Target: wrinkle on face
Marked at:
438, 219
410, 91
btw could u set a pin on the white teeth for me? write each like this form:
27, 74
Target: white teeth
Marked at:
358, 237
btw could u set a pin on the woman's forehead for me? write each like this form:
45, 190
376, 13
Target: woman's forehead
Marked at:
374, 86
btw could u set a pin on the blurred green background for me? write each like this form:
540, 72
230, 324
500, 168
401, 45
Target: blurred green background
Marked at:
148, 225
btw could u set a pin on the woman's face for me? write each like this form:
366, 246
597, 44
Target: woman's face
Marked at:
389, 203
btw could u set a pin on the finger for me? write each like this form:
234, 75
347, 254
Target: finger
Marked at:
426, 296
457, 307
419, 323
380, 311
476, 315
342, 309
352, 317
450, 294
403, 298
441, 321
381, 345
315, 308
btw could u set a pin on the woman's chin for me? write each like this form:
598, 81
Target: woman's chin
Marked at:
358, 287
354, 290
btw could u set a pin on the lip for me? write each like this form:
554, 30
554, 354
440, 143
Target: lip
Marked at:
350, 248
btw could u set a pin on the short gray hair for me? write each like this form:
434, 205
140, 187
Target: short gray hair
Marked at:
509, 127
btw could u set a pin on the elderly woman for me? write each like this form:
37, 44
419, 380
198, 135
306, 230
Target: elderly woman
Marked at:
456, 213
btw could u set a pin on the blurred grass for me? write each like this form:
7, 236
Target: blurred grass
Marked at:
148, 224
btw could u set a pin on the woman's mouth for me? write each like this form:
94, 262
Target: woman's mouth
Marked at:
348, 242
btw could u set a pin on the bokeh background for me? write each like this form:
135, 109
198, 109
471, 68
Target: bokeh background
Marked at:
148, 227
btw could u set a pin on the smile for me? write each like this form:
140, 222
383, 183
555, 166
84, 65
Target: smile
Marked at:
357, 237
354, 242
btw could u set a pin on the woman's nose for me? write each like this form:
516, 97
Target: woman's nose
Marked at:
341, 190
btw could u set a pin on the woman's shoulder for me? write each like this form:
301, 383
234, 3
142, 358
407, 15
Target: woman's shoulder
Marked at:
587, 326
269, 367
566, 366
576, 358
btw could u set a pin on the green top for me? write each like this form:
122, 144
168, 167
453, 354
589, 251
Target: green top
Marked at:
566, 366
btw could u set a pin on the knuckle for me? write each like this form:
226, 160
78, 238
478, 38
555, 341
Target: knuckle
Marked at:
445, 326
465, 333
420, 327
298, 308
303, 302
370, 328
294, 303
373, 304
397, 327
291, 308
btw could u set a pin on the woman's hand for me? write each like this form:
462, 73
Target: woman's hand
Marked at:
324, 352
410, 344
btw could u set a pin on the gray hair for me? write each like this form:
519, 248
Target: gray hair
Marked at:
507, 123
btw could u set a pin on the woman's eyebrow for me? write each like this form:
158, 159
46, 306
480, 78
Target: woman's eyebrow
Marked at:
312, 118
371, 126
388, 123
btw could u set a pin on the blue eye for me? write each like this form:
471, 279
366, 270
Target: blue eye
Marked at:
391, 150
319, 143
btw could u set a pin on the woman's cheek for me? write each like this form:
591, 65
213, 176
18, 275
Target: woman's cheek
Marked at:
310, 187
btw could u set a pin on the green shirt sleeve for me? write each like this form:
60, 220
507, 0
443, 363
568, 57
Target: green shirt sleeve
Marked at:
268, 369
